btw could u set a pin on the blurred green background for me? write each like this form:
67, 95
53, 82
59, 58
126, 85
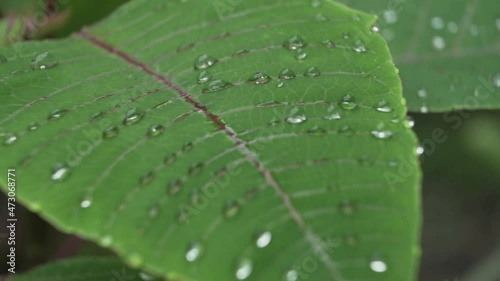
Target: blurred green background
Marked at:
461, 188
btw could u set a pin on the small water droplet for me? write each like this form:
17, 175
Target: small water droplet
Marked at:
33, 126
259, 78
263, 239
437, 23
60, 172
312, 72
86, 203
204, 62
216, 85
187, 147
10, 139
295, 116
438, 43
155, 131
348, 103
346, 131
57, 114
409, 122
420, 150
280, 84
375, 29
424, 109
97, 116
329, 44
300, 54
244, 269
452, 27
383, 106
110, 132
135, 260
185, 47
332, 113
381, 134
240, 53
390, 16
422, 93
286, 74
346, 35
170, 159
147, 178
203, 77
106, 240
294, 43
291, 275
193, 252
346, 207
174, 187
320, 17
359, 47
195, 169
378, 265
231, 209
132, 116
43, 61
153, 211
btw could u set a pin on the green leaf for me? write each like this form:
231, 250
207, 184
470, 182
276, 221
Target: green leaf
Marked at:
448, 51
199, 142
87, 268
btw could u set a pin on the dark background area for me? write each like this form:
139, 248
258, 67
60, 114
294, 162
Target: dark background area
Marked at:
461, 186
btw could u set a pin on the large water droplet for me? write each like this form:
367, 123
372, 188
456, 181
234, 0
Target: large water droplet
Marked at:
378, 266
294, 43
110, 132
203, 77
44, 61
348, 103
193, 252
295, 116
286, 74
216, 85
332, 113
259, 78
57, 114
383, 106
155, 131
204, 62
263, 239
10, 139
60, 173
133, 116
244, 269
231, 209
312, 72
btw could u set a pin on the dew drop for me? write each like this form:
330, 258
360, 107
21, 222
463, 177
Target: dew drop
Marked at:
174, 187
359, 47
110, 132
43, 61
381, 134
329, 44
312, 72
346, 207
259, 78
132, 116
346, 131
204, 77
383, 107
193, 252
263, 239
437, 23
294, 43
240, 53
348, 103
438, 43
244, 269
332, 113
346, 35
33, 126
375, 29
10, 139
231, 209
422, 93
57, 114
204, 62
106, 240
378, 266
300, 54
424, 109
195, 169
291, 275
420, 150
409, 122
216, 85
147, 178
60, 173
86, 203
295, 116
155, 131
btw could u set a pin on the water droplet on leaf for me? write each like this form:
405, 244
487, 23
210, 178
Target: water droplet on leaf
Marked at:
60, 173
244, 269
44, 61
204, 62
231, 209
155, 131
110, 132
295, 116
193, 252
132, 116
259, 78
294, 43
204, 77
263, 239
348, 103
57, 114
312, 72
216, 85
